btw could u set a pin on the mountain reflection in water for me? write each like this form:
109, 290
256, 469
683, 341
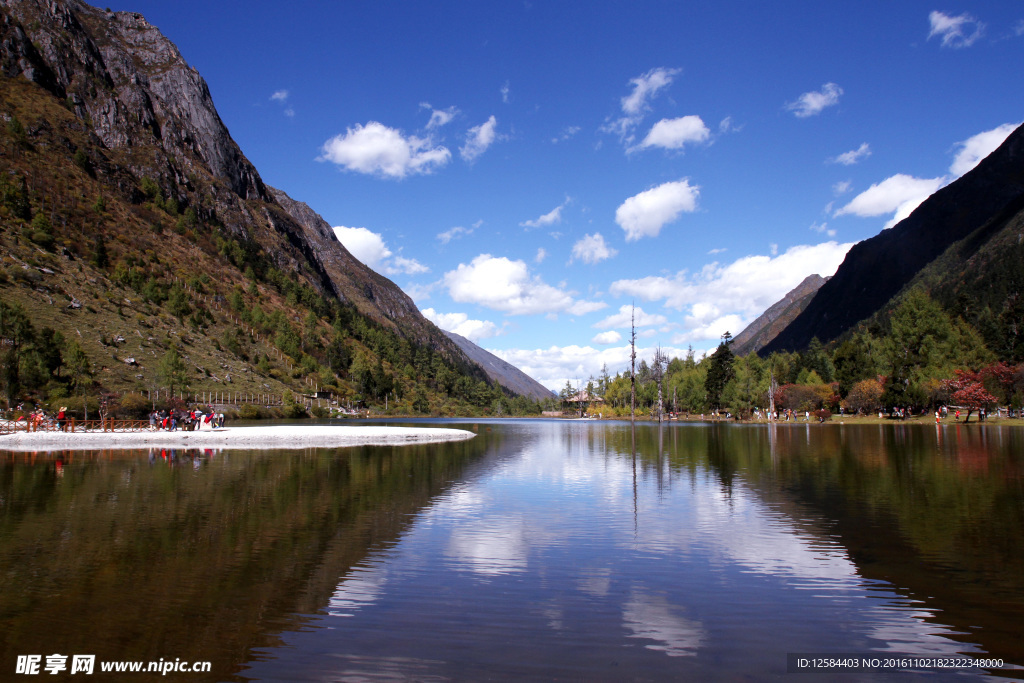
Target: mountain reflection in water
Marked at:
538, 549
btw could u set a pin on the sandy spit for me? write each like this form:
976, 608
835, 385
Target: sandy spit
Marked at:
277, 436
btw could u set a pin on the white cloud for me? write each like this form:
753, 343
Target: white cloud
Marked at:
419, 292
955, 32
407, 266
282, 97
375, 149
728, 297
369, 247
505, 285
635, 105
645, 214
439, 117
592, 249
542, 254
478, 139
567, 132
460, 324
842, 187
628, 317
609, 337
365, 245
811, 103
505, 91
977, 147
854, 156
823, 228
556, 365
448, 235
645, 87
550, 218
899, 193
675, 133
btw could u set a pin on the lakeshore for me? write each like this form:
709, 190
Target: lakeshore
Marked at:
275, 436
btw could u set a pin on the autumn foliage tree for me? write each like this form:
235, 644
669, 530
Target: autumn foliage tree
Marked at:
865, 396
968, 390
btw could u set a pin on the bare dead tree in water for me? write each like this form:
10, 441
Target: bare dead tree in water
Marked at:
658, 373
632, 364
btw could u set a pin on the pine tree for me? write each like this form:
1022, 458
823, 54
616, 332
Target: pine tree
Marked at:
720, 371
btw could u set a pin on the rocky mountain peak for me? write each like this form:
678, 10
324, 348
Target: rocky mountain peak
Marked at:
119, 72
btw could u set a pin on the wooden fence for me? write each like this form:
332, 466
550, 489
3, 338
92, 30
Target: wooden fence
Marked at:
73, 425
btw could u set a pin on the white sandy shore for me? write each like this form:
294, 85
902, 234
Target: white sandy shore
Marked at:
277, 436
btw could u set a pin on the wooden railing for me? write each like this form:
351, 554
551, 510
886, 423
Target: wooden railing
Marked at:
73, 425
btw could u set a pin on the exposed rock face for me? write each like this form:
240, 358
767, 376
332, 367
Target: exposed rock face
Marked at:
150, 115
777, 317
501, 372
876, 269
345, 270
121, 74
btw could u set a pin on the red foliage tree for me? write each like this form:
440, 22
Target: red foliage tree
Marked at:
1000, 375
968, 391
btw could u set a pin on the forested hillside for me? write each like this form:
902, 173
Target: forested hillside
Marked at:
970, 211
140, 252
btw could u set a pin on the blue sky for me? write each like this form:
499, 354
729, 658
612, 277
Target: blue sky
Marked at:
526, 171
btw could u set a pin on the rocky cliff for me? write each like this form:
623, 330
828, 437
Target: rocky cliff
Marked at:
150, 116
129, 83
110, 129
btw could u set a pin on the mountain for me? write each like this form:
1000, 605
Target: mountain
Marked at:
877, 269
128, 212
980, 279
505, 374
780, 314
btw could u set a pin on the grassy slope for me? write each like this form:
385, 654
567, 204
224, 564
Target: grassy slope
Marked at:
133, 233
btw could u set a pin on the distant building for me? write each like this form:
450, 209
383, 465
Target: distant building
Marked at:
582, 400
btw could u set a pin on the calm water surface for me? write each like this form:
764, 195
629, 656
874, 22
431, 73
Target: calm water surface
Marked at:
537, 550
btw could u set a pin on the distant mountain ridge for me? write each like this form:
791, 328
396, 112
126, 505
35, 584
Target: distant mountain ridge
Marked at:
877, 269
780, 314
504, 373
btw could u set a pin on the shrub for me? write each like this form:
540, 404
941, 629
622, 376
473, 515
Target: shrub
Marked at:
295, 411
251, 412
134, 406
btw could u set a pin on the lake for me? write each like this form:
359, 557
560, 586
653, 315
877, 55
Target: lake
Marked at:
540, 549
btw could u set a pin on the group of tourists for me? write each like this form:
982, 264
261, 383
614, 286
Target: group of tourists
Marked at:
186, 420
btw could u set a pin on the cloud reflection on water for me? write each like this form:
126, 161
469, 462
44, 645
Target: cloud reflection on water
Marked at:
568, 492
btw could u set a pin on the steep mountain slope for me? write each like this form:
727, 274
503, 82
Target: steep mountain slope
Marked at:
780, 314
979, 279
353, 280
121, 188
876, 269
505, 374
128, 83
